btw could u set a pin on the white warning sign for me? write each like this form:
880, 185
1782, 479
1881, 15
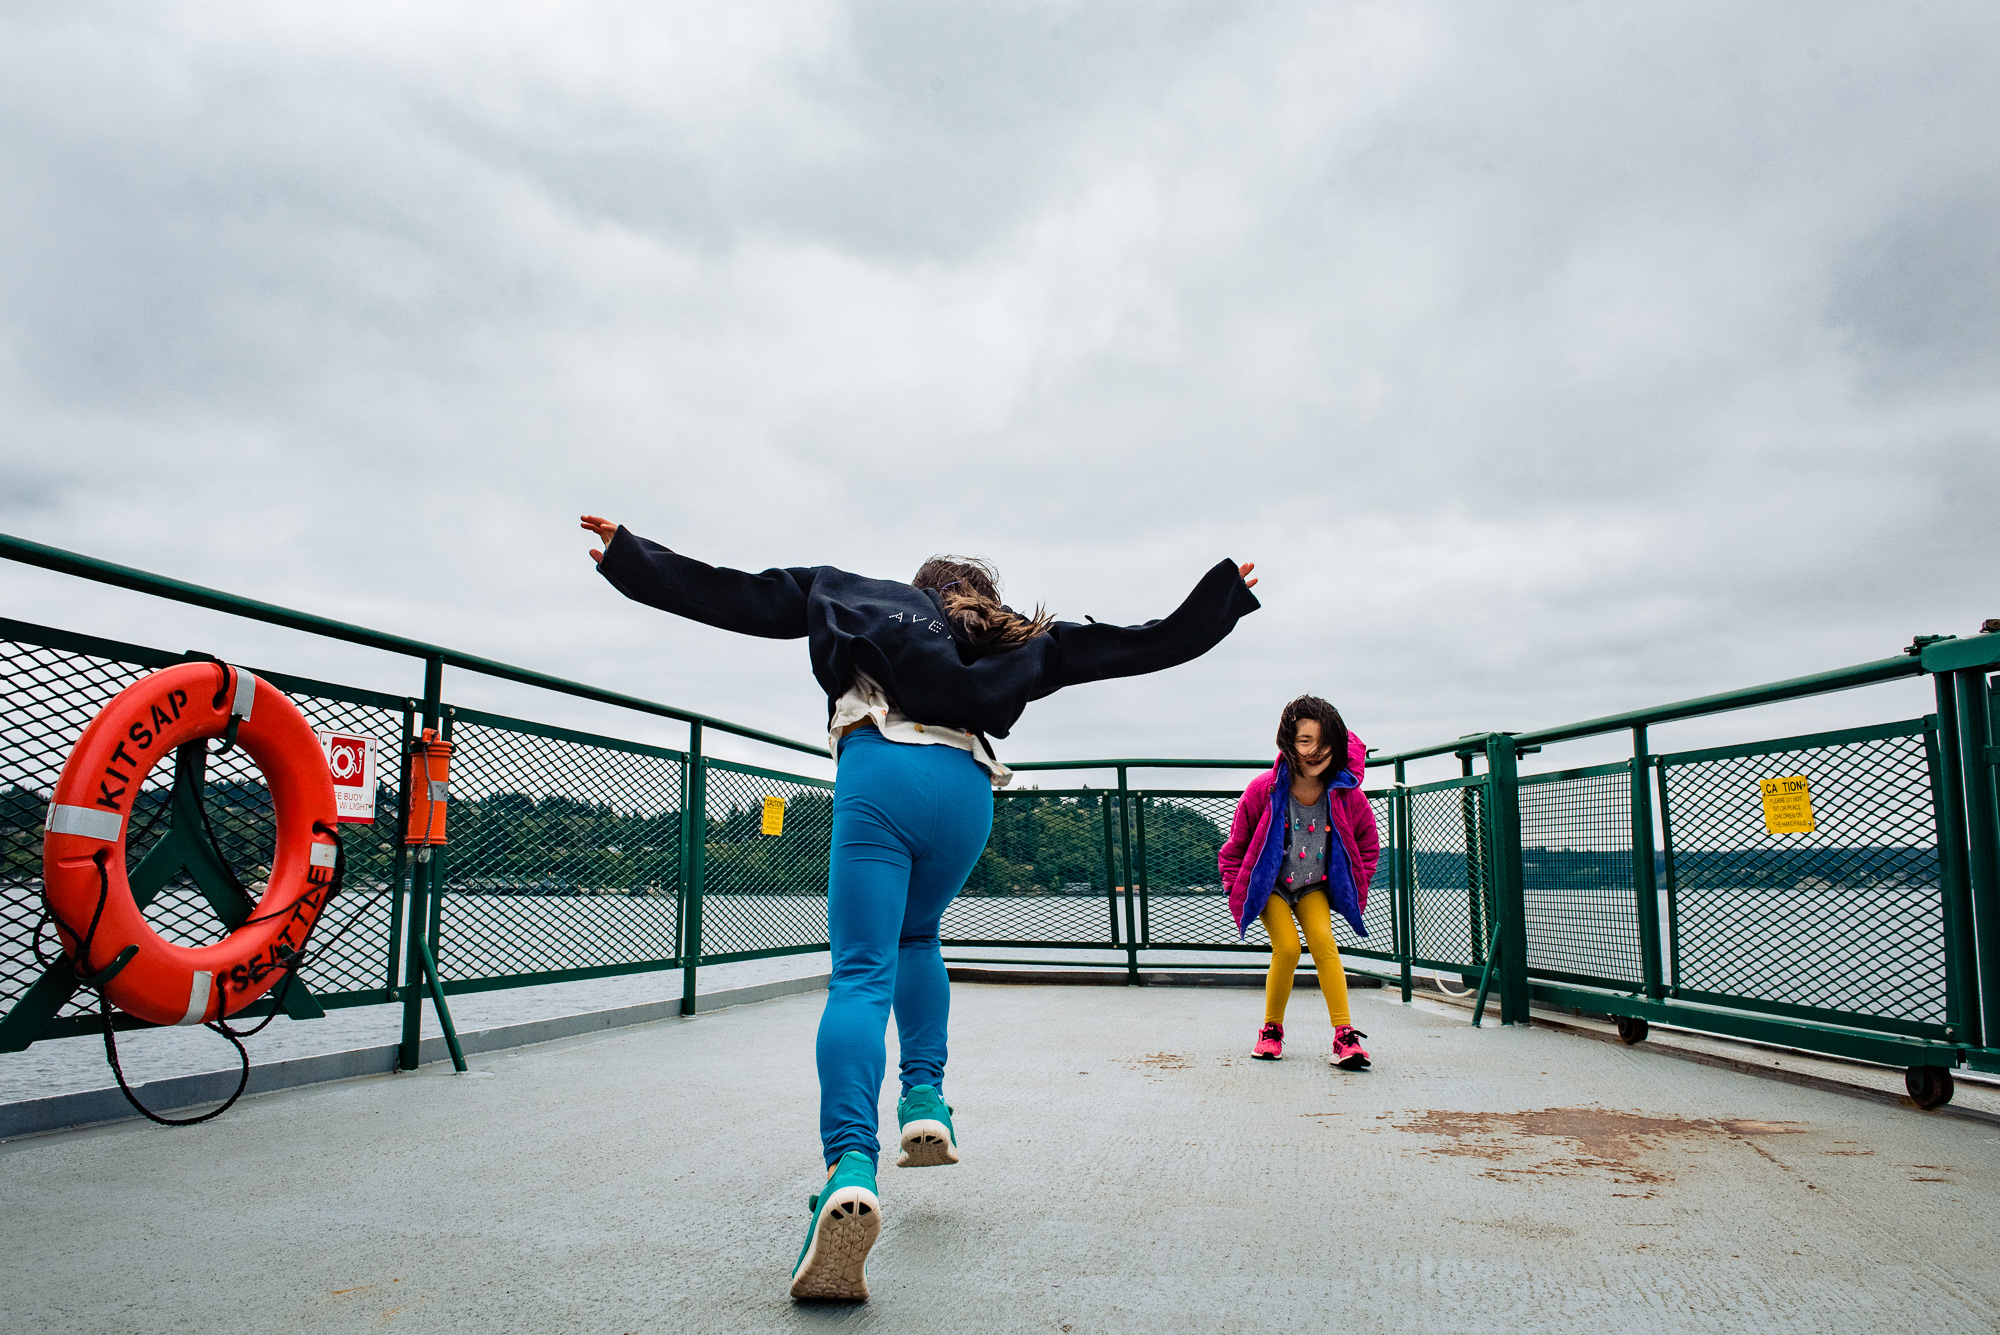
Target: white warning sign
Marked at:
351, 758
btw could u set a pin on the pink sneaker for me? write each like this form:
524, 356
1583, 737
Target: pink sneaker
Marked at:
1347, 1053
1270, 1044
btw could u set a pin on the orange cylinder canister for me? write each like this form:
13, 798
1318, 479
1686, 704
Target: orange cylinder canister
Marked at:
430, 788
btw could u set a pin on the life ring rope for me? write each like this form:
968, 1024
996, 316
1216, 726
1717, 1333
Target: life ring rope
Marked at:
96, 983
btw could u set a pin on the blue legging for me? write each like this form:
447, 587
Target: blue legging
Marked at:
908, 823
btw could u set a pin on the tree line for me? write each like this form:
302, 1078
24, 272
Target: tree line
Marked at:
1042, 844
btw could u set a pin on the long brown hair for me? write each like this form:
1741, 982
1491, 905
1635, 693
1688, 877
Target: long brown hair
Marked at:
970, 591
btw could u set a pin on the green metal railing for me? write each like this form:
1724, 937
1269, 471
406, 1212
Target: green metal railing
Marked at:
577, 856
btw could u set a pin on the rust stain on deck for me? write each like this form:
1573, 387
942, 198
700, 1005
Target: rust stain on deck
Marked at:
1570, 1142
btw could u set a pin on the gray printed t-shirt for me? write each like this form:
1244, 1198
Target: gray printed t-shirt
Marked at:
1305, 850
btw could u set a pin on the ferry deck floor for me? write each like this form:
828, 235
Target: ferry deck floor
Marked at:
1127, 1167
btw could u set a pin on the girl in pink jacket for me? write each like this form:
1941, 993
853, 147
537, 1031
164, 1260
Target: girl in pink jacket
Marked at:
1303, 847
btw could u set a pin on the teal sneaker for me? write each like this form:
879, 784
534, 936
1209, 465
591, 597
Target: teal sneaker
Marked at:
846, 1220
928, 1139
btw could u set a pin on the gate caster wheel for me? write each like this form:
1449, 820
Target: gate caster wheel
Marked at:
1632, 1029
1929, 1086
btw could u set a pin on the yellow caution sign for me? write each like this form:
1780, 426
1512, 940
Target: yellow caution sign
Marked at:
1787, 804
774, 815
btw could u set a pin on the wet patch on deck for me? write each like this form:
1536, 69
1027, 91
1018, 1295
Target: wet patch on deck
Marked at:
1630, 1147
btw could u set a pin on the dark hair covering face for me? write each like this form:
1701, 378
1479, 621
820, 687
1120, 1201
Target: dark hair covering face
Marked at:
1332, 730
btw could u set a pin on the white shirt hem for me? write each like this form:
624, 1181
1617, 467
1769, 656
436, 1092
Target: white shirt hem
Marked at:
865, 702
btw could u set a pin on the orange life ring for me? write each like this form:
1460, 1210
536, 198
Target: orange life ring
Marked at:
83, 848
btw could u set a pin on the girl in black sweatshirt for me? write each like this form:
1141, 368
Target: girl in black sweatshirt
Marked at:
918, 676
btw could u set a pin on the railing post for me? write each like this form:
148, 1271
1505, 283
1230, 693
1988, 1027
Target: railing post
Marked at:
1477, 821
416, 916
1645, 884
1504, 859
1671, 964
1141, 875
433, 936
1110, 868
400, 864
1402, 877
1982, 842
1125, 864
681, 859
413, 964
694, 859
1961, 963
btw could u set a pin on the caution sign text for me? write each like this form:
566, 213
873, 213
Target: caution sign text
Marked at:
1787, 804
774, 815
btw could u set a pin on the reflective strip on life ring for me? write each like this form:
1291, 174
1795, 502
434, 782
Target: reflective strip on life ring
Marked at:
167, 983
82, 820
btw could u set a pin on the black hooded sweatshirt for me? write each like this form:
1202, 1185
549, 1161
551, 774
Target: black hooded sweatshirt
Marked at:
901, 637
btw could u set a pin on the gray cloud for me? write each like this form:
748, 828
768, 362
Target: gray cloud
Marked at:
1549, 360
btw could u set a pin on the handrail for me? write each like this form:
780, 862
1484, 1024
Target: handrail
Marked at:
1474, 742
107, 572
196, 595
1496, 912
1792, 688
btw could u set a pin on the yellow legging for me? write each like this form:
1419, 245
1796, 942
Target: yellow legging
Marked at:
1315, 918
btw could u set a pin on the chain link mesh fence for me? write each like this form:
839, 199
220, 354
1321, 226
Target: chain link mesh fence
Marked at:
1041, 880
1380, 915
1184, 902
565, 854
1576, 876
52, 683
351, 945
764, 894
1451, 887
49, 695
1845, 919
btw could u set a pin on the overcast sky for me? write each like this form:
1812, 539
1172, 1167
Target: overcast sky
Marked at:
1548, 359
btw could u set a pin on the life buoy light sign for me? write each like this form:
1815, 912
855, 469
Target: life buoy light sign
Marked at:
89, 819
350, 758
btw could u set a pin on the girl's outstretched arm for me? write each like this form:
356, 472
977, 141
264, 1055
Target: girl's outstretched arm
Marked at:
1094, 652
771, 604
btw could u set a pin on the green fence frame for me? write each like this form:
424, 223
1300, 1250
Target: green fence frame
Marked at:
1574, 919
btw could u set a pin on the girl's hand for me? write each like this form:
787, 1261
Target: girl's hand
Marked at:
604, 529
1248, 566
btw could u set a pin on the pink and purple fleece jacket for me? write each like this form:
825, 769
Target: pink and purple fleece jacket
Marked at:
1250, 856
